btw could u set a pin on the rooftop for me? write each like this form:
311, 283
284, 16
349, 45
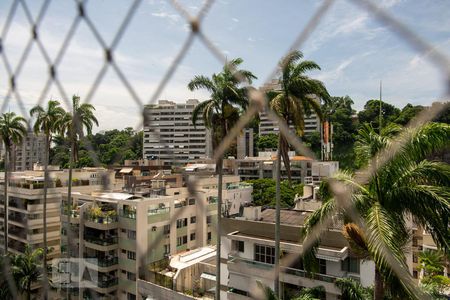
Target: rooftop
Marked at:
288, 217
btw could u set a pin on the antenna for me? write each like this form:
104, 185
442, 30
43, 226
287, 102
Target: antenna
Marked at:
380, 116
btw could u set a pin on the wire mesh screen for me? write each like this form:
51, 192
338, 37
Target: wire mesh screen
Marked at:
110, 61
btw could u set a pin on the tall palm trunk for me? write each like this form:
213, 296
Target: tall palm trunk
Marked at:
46, 179
277, 222
69, 203
379, 286
219, 225
5, 198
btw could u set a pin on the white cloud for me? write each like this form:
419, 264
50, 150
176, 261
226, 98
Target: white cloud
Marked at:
172, 17
235, 20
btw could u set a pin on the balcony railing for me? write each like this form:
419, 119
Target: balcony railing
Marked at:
103, 262
287, 270
129, 214
106, 283
105, 241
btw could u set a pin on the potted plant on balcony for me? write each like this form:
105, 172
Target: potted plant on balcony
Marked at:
111, 216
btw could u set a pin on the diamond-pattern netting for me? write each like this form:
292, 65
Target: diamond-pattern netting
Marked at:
53, 60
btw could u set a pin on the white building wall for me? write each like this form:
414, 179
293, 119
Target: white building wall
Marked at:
367, 272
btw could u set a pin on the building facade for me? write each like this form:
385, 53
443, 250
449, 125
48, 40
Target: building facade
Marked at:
248, 255
29, 152
170, 136
126, 236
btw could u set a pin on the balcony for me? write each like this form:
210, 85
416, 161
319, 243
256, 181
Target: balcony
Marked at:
102, 262
103, 220
289, 275
105, 241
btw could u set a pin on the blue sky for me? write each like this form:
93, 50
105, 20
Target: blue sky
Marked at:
354, 50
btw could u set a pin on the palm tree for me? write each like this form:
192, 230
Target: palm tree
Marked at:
297, 95
12, 131
47, 121
406, 185
353, 290
72, 125
26, 268
219, 114
5, 290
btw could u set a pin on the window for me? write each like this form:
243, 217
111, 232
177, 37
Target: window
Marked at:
124, 251
181, 223
415, 274
209, 237
123, 230
167, 249
208, 219
167, 229
181, 240
131, 296
322, 266
131, 234
131, 255
238, 246
191, 201
192, 237
265, 254
131, 276
414, 257
193, 219
350, 264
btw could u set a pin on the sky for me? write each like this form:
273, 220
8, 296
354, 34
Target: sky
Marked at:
354, 50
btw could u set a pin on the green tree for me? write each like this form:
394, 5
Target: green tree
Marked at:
299, 95
408, 113
264, 192
267, 141
219, 114
26, 269
12, 130
371, 113
339, 112
407, 184
48, 122
353, 290
432, 263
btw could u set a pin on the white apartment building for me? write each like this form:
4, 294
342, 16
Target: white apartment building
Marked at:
126, 237
170, 136
29, 152
248, 253
267, 126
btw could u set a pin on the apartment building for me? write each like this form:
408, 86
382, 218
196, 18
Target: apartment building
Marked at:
170, 136
125, 236
29, 152
267, 126
265, 164
248, 255
25, 205
245, 144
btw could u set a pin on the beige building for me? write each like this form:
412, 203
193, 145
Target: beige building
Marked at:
25, 205
132, 235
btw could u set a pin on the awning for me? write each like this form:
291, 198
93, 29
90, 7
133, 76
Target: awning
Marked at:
126, 170
329, 258
208, 276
